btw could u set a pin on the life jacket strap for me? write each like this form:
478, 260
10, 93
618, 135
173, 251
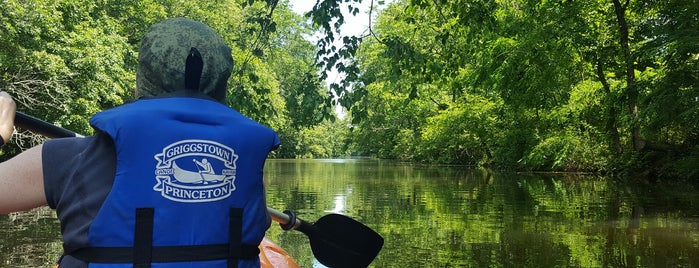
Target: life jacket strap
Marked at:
163, 253
143, 238
235, 240
143, 253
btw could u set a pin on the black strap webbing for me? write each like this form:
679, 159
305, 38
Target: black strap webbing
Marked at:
236, 236
193, 70
143, 238
143, 253
163, 253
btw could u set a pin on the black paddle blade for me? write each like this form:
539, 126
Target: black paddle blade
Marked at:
340, 241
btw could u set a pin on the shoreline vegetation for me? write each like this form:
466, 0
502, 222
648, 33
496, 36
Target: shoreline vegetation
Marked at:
607, 86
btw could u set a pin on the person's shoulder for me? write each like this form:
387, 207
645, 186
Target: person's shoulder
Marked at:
259, 125
68, 143
75, 145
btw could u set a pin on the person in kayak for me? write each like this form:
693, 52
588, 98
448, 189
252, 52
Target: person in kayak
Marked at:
205, 166
115, 193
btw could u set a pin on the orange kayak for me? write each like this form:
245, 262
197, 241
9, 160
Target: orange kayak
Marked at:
273, 256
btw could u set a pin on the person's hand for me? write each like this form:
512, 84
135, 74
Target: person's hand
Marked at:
7, 116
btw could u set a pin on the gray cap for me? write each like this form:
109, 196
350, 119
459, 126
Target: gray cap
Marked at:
164, 53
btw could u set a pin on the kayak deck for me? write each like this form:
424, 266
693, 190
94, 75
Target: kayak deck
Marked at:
273, 256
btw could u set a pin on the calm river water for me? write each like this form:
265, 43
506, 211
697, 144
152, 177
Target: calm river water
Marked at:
453, 217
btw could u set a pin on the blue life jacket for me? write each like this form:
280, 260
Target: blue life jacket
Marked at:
188, 188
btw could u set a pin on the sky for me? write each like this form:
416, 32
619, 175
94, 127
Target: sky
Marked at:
354, 26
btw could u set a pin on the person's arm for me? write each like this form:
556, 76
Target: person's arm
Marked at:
22, 182
22, 177
7, 116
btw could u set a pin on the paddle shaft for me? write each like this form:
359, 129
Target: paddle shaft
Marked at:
42, 127
282, 218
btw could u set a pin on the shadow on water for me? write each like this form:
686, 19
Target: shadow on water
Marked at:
442, 216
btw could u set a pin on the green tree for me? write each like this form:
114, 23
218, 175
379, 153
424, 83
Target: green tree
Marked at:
572, 86
66, 60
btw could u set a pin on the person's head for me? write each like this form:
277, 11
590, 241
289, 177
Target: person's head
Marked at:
182, 54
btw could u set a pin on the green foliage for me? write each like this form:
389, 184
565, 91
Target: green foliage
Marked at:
329, 139
64, 61
463, 134
566, 151
568, 89
587, 85
96, 58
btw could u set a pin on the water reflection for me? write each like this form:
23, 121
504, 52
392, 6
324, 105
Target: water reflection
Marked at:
339, 204
29, 239
455, 217
458, 217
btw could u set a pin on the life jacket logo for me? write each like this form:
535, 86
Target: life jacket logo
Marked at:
195, 171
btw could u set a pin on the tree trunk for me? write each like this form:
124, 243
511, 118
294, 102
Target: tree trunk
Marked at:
631, 90
612, 113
